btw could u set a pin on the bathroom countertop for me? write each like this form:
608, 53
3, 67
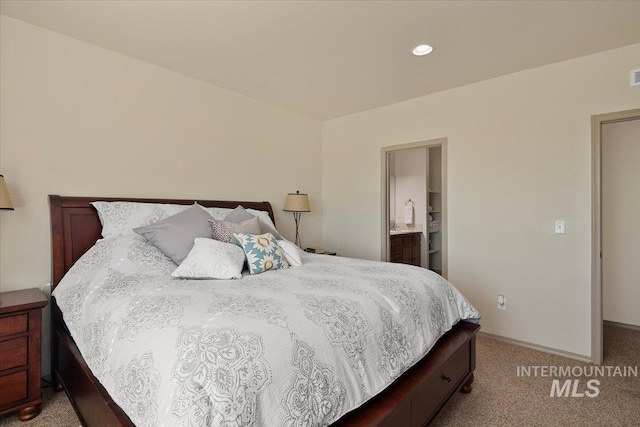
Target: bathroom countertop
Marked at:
403, 231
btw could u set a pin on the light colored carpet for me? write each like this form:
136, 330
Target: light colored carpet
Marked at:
56, 412
499, 396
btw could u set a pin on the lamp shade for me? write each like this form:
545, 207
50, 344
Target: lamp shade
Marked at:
297, 202
5, 200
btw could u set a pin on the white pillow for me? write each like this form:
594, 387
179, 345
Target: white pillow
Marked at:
291, 252
212, 259
120, 218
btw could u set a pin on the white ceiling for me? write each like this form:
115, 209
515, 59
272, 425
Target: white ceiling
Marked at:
326, 59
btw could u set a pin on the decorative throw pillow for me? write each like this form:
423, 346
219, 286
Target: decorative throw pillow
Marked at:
240, 214
212, 259
262, 252
291, 252
174, 235
223, 230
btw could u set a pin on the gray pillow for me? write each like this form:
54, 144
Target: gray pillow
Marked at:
223, 230
175, 235
240, 214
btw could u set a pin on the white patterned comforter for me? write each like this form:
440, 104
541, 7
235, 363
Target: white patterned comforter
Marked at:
295, 347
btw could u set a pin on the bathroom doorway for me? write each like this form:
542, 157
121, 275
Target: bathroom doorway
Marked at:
614, 285
414, 229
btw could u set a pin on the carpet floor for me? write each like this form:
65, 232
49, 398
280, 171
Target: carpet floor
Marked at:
499, 398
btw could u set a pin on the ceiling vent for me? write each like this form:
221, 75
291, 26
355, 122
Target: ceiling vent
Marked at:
634, 77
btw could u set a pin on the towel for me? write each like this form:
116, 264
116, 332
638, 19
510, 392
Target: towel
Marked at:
408, 215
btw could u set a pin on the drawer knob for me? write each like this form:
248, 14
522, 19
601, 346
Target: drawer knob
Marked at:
446, 378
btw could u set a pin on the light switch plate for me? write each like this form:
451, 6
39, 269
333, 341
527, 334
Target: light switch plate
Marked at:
559, 226
502, 302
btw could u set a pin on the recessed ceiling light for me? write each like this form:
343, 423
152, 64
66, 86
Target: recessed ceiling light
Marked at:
421, 50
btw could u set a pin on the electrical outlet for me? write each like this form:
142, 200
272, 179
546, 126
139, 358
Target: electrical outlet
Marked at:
559, 228
502, 302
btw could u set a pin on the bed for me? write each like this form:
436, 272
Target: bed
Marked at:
413, 399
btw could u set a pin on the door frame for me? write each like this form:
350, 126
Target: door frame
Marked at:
385, 151
597, 121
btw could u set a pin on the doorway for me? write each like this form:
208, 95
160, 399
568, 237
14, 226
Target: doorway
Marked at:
597, 313
414, 204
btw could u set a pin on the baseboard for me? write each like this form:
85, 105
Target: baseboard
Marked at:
621, 325
542, 348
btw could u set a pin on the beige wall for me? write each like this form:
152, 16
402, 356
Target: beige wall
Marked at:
620, 224
519, 157
77, 119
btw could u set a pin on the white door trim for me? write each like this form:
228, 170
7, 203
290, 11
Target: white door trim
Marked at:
596, 225
442, 142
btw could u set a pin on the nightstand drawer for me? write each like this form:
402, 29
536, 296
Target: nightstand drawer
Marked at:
11, 325
14, 387
13, 353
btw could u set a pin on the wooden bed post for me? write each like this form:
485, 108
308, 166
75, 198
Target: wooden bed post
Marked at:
57, 272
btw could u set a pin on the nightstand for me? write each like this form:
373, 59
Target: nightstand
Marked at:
20, 334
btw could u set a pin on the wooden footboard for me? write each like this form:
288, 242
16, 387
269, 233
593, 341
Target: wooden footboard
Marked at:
416, 398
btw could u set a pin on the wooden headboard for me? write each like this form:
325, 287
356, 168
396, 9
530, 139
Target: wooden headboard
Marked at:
75, 226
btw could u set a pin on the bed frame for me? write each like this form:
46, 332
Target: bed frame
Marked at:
413, 400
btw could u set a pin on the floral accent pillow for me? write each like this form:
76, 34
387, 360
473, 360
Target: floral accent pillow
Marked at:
212, 259
262, 252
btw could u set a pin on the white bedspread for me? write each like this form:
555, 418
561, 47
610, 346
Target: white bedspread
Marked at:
295, 347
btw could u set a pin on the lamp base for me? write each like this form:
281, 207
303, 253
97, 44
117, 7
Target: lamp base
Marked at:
296, 218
